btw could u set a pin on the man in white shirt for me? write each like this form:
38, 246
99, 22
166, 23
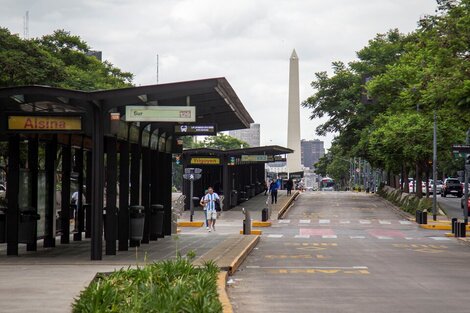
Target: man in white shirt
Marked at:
204, 208
210, 200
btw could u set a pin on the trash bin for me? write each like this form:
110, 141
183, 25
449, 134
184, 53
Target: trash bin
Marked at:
265, 215
2, 225
137, 218
28, 225
156, 220
233, 198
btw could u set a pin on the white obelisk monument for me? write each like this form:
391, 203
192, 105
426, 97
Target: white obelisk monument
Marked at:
293, 122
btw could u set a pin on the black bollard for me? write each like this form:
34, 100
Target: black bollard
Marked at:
453, 221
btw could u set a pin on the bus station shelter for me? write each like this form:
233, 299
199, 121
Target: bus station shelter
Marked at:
113, 147
237, 174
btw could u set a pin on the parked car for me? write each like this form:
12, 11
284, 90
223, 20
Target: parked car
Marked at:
452, 186
438, 186
462, 204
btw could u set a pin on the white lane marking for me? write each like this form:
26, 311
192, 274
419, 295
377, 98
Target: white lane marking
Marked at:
384, 237
324, 221
364, 221
384, 222
409, 238
302, 236
329, 236
284, 221
304, 221
405, 222
440, 238
275, 236
357, 237
344, 222
312, 267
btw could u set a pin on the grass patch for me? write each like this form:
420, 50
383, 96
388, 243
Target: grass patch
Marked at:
167, 286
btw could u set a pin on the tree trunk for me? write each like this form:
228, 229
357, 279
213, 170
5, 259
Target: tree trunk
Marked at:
419, 180
405, 179
427, 182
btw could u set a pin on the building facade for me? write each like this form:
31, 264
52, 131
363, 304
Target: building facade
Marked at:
249, 135
311, 152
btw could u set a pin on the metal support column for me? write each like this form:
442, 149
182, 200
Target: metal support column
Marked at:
80, 218
33, 148
13, 183
123, 228
88, 178
226, 183
111, 195
50, 211
135, 181
166, 189
147, 165
97, 185
65, 193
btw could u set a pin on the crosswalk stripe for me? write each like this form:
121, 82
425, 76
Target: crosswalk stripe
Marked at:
405, 222
384, 222
357, 237
440, 238
284, 221
409, 238
304, 221
344, 222
302, 236
364, 221
325, 221
275, 236
384, 237
329, 236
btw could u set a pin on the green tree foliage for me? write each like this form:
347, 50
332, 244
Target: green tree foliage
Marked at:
382, 105
221, 142
57, 60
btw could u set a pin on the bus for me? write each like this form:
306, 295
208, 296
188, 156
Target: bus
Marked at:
327, 184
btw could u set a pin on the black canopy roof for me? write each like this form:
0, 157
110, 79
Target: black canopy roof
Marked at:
214, 99
265, 150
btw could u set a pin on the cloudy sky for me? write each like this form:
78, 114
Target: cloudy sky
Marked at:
247, 41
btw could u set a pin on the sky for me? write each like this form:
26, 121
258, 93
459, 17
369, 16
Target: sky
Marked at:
249, 42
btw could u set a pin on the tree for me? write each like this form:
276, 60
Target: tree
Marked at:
57, 60
222, 142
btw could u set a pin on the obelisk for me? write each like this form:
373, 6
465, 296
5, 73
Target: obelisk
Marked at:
293, 122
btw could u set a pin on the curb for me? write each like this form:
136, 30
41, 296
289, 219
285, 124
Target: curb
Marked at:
222, 291
190, 224
260, 224
242, 256
287, 206
253, 232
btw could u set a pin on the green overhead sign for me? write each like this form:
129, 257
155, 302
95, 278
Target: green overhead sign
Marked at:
160, 113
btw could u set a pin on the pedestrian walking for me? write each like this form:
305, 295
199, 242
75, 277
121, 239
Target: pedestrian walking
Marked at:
265, 187
273, 190
210, 200
204, 207
289, 186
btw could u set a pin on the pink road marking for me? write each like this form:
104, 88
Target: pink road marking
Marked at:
316, 232
386, 233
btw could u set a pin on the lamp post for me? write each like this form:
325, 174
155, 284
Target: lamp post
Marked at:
434, 169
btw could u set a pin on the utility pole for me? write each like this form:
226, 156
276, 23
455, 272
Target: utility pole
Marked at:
467, 168
434, 169
157, 68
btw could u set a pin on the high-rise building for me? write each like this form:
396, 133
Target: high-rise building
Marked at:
312, 151
249, 135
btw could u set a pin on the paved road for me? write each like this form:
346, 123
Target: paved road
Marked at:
349, 252
451, 206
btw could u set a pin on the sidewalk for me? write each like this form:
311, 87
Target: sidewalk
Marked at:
48, 280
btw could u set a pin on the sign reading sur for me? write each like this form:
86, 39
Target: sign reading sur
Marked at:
254, 158
154, 113
45, 123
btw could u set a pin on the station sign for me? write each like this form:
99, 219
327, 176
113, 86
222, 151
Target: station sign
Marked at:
461, 148
184, 114
195, 130
205, 161
254, 158
44, 123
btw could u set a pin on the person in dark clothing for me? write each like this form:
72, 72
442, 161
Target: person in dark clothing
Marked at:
273, 190
289, 186
265, 187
